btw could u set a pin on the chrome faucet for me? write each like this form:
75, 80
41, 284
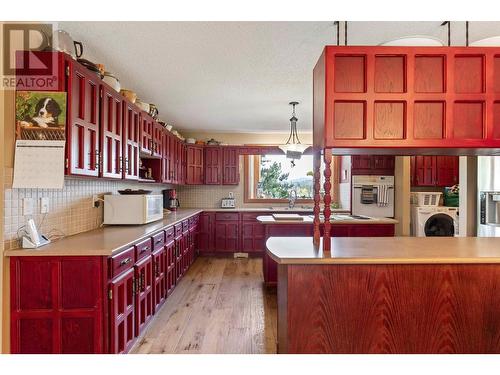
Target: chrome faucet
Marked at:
292, 197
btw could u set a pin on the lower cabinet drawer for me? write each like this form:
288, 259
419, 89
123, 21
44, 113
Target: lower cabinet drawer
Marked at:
121, 262
158, 241
169, 235
252, 216
224, 216
185, 225
178, 229
143, 249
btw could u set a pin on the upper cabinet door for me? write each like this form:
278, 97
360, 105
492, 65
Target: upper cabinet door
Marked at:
83, 125
157, 142
213, 165
446, 170
231, 166
111, 133
146, 134
194, 165
425, 171
131, 131
166, 175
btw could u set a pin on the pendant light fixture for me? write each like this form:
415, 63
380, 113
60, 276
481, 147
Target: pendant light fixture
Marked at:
293, 148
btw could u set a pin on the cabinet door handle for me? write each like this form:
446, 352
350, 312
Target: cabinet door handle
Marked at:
134, 286
125, 261
143, 282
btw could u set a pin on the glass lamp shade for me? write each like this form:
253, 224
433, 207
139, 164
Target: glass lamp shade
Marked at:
293, 150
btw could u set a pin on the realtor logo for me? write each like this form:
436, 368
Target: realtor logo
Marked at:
21, 42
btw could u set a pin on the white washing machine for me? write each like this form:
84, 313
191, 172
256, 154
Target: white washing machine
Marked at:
429, 221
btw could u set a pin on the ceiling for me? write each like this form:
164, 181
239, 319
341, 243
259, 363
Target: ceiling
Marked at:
234, 76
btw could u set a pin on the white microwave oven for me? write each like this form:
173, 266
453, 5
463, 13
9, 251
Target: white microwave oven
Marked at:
132, 209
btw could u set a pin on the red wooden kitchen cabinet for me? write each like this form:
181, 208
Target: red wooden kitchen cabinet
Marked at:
182, 164
222, 165
57, 305
406, 99
111, 130
205, 240
159, 277
144, 308
174, 145
230, 166
131, 136
227, 228
194, 165
122, 312
174, 159
179, 253
361, 163
146, 134
82, 138
167, 158
447, 170
213, 165
170, 262
253, 234
424, 170
157, 142
375, 165
435, 171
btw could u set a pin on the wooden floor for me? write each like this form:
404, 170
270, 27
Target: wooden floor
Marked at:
220, 306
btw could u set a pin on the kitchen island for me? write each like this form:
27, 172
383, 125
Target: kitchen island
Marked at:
388, 295
343, 225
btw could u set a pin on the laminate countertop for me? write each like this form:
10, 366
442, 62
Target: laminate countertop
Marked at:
386, 250
105, 241
271, 209
334, 220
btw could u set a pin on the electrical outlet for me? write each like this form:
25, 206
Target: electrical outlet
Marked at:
44, 205
27, 206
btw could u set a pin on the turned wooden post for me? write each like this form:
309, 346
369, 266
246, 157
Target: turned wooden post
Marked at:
316, 196
327, 187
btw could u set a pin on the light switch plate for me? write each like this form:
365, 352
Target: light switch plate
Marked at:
27, 206
44, 205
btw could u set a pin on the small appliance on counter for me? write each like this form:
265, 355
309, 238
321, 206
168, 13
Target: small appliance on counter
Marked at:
170, 200
228, 202
132, 209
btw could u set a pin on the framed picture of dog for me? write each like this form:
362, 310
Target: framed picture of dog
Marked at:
40, 115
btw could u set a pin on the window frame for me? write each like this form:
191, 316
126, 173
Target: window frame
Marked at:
246, 195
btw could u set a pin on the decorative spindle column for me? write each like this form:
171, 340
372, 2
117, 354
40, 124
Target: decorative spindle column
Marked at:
316, 196
327, 200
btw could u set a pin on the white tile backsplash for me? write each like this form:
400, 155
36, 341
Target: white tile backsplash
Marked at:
70, 209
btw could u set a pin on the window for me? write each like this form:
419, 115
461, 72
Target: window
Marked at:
271, 178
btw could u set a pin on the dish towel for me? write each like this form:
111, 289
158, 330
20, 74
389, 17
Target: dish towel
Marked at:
382, 195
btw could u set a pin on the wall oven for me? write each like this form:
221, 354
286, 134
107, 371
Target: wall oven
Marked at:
373, 196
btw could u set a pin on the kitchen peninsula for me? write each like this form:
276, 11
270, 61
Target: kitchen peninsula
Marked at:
388, 295
343, 225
